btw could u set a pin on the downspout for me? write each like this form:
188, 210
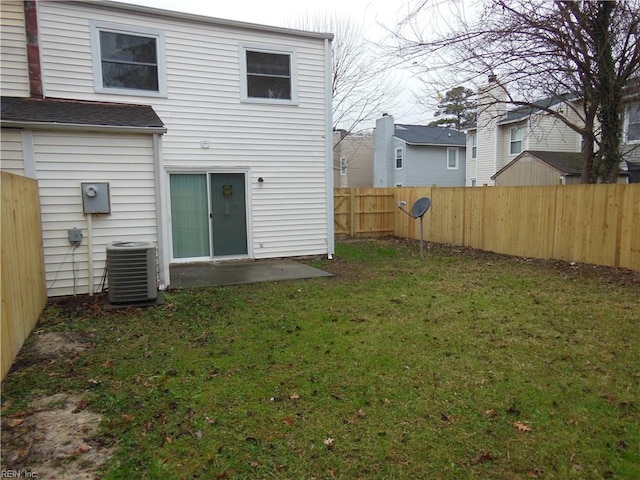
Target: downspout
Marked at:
329, 147
163, 258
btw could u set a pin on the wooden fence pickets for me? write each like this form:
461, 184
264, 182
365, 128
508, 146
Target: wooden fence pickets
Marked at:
24, 293
597, 224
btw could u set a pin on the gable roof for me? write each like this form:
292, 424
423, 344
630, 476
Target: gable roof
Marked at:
567, 163
35, 112
521, 113
422, 135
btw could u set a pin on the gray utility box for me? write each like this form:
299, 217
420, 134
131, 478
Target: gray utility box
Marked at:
95, 197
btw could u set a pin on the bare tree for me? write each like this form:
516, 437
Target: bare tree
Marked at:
362, 86
584, 53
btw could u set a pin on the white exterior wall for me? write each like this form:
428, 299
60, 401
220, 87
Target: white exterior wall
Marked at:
541, 132
286, 145
64, 160
488, 139
14, 70
11, 151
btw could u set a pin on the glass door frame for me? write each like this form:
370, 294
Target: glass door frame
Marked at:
248, 215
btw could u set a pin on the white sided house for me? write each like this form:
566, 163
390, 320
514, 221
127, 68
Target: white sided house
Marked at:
501, 135
210, 139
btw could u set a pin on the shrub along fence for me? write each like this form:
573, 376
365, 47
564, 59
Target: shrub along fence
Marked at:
597, 224
24, 293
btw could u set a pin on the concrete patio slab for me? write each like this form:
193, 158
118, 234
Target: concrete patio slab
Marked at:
241, 271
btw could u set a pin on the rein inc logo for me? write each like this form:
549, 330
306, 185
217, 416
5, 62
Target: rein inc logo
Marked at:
18, 474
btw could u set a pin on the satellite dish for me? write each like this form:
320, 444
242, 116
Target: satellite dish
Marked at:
420, 207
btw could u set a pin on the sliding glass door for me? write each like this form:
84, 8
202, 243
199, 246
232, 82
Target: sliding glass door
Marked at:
208, 215
190, 215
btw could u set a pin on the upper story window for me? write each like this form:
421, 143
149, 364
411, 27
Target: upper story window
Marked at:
343, 165
128, 60
474, 145
399, 159
452, 158
515, 144
633, 123
268, 75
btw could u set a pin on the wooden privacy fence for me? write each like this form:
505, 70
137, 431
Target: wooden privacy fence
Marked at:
597, 224
23, 291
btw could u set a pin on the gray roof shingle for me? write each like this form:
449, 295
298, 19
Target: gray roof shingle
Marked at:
567, 162
78, 112
422, 135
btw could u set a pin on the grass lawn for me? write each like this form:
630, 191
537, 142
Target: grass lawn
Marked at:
461, 365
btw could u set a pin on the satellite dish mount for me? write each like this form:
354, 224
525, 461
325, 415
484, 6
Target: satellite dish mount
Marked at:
417, 211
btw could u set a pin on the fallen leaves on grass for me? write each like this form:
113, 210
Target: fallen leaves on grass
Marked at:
445, 417
15, 422
522, 427
484, 457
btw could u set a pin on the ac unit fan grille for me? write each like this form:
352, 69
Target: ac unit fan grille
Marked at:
131, 272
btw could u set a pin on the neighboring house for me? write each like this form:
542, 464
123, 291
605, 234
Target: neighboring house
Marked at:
543, 168
501, 136
213, 137
416, 155
631, 145
352, 160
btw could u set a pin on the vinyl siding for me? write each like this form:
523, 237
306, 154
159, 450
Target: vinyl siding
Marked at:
282, 143
64, 160
11, 151
427, 165
528, 171
503, 155
358, 150
14, 71
541, 132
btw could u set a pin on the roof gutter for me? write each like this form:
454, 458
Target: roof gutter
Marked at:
81, 126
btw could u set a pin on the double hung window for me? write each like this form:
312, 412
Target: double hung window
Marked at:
268, 75
399, 159
452, 158
474, 145
633, 123
128, 60
515, 144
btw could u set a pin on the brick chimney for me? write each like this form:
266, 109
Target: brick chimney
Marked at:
33, 49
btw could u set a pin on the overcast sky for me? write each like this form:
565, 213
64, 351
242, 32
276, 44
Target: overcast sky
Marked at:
282, 13
373, 15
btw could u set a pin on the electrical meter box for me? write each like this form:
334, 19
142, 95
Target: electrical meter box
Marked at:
95, 197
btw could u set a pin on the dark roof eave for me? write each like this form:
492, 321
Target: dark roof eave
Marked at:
415, 144
81, 126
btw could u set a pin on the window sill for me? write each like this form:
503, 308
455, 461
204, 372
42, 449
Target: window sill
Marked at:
131, 92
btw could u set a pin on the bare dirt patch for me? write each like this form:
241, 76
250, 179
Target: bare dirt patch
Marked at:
55, 436
52, 345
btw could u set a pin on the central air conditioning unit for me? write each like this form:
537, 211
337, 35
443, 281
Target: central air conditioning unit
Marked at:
131, 272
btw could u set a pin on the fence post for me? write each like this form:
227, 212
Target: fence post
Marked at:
352, 212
